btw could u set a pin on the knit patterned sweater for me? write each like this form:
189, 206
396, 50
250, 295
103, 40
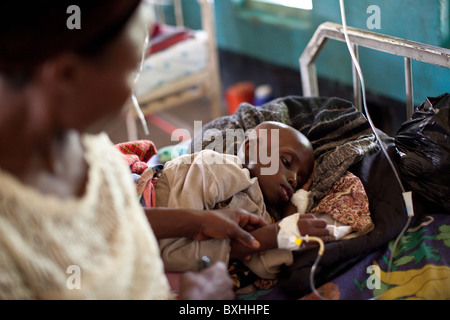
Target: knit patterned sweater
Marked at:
96, 246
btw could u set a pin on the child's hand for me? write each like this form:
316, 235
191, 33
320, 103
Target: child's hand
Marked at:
309, 225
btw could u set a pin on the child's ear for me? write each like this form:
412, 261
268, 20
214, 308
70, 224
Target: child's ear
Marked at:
243, 151
247, 149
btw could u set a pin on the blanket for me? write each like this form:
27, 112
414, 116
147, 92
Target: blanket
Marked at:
420, 269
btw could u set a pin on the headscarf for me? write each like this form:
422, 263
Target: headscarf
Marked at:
34, 31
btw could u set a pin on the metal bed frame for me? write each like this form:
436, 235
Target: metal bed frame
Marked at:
393, 45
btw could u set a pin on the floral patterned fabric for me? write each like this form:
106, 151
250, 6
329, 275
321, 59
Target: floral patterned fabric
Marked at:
347, 202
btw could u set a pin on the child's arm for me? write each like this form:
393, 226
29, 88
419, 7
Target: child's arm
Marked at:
267, 236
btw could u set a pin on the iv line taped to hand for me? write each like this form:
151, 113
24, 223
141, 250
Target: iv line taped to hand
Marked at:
289, 237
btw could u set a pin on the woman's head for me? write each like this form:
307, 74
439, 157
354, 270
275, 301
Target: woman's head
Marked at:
280, 157
62, 78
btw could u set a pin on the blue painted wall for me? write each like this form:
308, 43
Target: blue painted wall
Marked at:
280, 41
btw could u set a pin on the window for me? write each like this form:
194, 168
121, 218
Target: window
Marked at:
287, 13
299, 4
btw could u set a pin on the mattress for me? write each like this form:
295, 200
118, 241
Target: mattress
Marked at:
184, 58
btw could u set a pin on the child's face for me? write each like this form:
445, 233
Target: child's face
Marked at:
295, 166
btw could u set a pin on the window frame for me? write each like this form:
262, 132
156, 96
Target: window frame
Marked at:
279, 3
274, 14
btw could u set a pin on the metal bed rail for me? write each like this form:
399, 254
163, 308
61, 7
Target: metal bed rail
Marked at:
358, 37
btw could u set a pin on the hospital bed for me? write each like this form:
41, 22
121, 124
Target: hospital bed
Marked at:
420, 265
409, 50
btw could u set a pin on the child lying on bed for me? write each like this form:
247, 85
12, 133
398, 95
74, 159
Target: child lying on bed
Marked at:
208, 180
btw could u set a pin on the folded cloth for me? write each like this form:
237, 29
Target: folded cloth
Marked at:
345, 207
137, 153
347, 202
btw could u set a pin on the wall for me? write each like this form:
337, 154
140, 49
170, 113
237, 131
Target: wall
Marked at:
280, 41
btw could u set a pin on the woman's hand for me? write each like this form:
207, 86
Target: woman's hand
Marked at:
213, 283
234, 224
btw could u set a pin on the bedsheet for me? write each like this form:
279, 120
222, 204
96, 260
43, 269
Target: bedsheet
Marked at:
179, 60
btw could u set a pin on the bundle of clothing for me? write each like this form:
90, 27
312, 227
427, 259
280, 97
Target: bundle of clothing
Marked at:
137, 155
